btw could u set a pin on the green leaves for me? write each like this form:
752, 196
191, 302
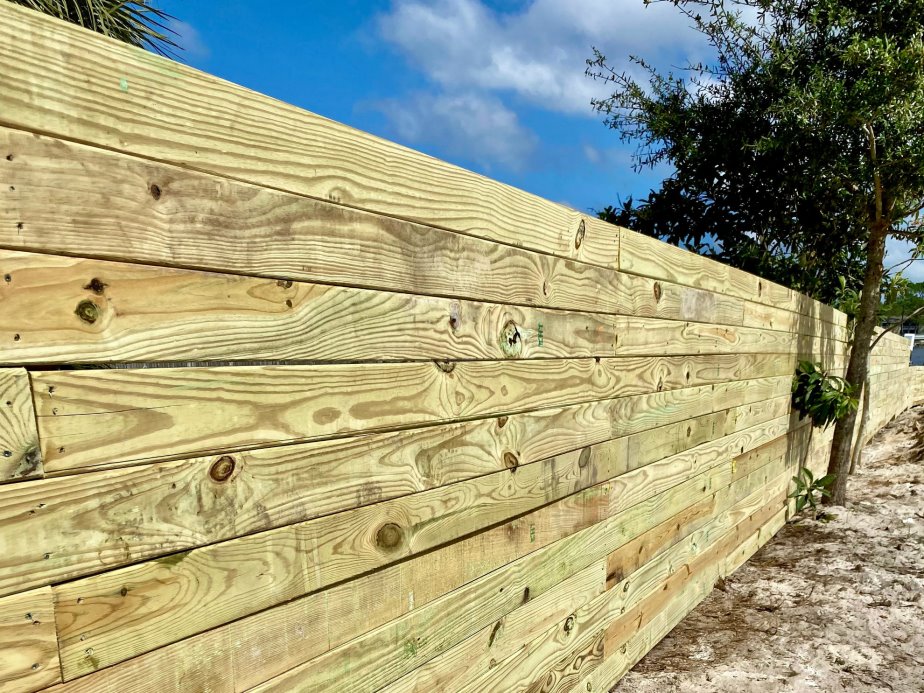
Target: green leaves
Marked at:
824, 398
770, 141
134, 21
807, 486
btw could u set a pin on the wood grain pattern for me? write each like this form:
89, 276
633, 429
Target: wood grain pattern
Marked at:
100, 418
71, 199
167, 598
28, 647
494, 643
57, 309
482, 653
275, 640
76, 525
371, 661
649, 257
652, 626
542, 660
206, 124
20, 456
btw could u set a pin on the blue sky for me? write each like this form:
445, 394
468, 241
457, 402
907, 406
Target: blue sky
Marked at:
497, 87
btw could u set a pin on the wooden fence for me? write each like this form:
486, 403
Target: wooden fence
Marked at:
398, 427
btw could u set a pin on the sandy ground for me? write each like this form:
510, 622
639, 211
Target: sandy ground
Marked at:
834, 606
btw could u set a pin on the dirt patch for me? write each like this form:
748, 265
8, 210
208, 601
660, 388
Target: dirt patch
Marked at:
831, 606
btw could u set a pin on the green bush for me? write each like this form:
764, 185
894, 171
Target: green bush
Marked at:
825, 398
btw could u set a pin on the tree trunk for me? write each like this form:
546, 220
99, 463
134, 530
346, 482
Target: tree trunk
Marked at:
858, 366
864, 424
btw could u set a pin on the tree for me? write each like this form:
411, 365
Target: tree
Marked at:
135, 22
805, 136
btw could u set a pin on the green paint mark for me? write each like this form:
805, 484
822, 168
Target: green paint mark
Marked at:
532, 534
123, 84
539, 333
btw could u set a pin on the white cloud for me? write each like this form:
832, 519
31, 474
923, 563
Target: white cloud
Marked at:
468, 125
537, 53
188, 38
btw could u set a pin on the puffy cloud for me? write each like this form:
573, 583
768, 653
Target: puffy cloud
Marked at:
538, 52
474, 127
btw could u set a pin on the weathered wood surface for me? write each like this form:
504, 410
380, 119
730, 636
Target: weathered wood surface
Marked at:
77, 200
97, 418
20, 456
28, 645
519, 442
56, 309
76, 525
97, 91
159, 601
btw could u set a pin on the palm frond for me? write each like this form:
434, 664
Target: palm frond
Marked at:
135, 22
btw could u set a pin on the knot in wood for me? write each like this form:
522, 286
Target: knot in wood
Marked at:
97, 286
445, 366
657, 291
222, 469
388, 536
511, 341
87, 311
511, 461
155, 191
502, 421
579, 236
584, 459
569, 623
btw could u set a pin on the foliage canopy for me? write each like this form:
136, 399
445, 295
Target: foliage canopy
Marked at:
797, 151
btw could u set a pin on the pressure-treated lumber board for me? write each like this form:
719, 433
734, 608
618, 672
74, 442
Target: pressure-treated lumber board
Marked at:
72, 199
57, 309
79, 200
72, 526
128, 611
511, 633
496, 640
20, 457
162, 600
71, 83
373, 660
102, 92
237, 655
641, 631
28, 647
105, 417
546, 662
649, 257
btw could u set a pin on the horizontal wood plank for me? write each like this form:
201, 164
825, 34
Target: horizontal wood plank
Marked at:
207, 124
158, 601
57, 309
72, 526
100, 418
70, 199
